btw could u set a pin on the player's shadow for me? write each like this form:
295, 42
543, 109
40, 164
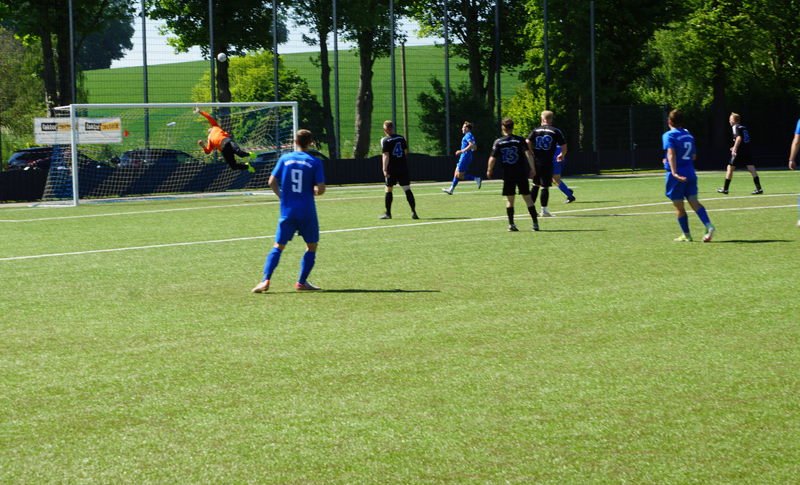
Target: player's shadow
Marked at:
359, 290
573, 230
753, 241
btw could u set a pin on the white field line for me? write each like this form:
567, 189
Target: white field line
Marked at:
561, 215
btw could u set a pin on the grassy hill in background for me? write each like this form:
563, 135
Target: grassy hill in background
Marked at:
172, 83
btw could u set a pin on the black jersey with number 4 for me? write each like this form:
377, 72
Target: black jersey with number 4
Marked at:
395, 145
544, 140
744, 146
510, 150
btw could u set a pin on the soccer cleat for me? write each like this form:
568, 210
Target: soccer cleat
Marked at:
798, 223
545, 214
385, 215
756, 192
307, 286
448, 191
250, 168
570, 199
512, 228
683, 238
709, 233
262, 287
722, 191
414, 215
478, 180
535, 226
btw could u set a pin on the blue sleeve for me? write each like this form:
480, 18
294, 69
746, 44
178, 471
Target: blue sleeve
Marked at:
276, 172
797, 129
471, 137
319, 173
668, 141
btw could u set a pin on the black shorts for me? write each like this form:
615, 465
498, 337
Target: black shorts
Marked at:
741, 160
510, 187
544, 175
400, 178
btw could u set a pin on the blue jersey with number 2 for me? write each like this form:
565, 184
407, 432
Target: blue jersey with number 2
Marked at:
682, 142
298, 173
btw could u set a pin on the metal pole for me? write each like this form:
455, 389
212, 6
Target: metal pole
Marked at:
211, 50
337, 128
405, 89
497, 61
546, 62
446, 82
391, 55
144, 74
275, 47
633, 144
72, 52
594, 88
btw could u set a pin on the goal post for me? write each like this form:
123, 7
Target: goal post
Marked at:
122, 150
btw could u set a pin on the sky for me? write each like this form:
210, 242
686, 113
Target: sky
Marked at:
158, 52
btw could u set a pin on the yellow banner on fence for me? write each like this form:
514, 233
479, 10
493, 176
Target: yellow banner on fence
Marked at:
90, 131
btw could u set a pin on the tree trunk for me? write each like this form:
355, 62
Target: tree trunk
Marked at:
223, 81
473, 48
490, 82
719, 115
365, 98
64, 67
327, 117
48, 69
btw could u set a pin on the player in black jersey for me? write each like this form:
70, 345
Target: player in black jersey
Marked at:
740, 155
395, 169
513, 152
542, 142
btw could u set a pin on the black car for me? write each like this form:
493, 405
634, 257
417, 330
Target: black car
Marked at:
152, 156
30, 158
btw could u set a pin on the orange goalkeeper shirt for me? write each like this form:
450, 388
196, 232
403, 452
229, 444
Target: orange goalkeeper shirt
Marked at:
217, 135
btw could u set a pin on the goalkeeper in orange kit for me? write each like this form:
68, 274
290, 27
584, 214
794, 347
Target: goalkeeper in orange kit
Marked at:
221, 140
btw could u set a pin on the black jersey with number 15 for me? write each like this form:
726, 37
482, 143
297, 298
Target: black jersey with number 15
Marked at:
510, 150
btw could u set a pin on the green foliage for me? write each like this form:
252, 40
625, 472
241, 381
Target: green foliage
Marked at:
252, 80
465, 105
98, 50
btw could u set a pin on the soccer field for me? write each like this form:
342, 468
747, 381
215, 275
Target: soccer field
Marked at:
443, 350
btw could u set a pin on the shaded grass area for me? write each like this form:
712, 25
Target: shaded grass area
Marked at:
444, 350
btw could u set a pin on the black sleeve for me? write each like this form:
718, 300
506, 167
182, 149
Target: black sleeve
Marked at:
560, 138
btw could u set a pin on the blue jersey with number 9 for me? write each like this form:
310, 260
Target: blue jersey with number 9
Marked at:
298, 174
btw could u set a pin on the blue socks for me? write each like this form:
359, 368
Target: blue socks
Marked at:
701, 213
563, 188
455, 182
469, 177
684, 223
273, 258
307, 265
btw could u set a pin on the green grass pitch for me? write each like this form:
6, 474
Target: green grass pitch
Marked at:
444, 350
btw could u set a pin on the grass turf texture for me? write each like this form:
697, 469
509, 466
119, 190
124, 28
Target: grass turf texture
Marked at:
444, 350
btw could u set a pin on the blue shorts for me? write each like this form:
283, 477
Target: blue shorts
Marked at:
557, 166
463, 165
677, 190
307, 228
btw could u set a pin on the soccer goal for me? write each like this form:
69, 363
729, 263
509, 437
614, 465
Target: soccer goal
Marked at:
124, 150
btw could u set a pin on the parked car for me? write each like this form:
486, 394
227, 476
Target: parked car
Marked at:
30, 158
151, 156
270, 156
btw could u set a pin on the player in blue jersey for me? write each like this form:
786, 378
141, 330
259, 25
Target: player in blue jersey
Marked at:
518, 166
793, 154
467, 147
557, 167
741, 156
680, 153
395, 169
296, 179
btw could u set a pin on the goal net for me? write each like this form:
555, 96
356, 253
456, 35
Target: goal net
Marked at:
127, 150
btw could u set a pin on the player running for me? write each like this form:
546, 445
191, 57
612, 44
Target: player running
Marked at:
301, 178
467, 147
513, 152
220, 140
542, 142
680, 153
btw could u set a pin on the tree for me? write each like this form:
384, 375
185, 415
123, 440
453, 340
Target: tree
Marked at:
48, 21
367, 24
471, 28
252, 80
240, 26
317, 16
99, 50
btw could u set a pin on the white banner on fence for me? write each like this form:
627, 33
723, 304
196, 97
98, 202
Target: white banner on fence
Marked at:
91, 131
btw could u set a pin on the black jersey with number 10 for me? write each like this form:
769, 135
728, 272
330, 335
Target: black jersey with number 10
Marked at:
395, 145
510, 150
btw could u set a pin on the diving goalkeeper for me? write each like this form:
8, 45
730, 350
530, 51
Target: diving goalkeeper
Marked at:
219, 139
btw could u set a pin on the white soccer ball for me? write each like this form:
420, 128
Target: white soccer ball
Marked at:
222, 57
